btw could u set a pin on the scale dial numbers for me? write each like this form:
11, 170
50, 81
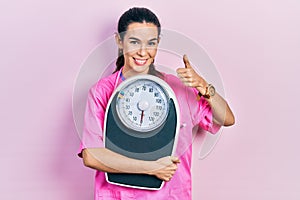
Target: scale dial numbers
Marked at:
142, 105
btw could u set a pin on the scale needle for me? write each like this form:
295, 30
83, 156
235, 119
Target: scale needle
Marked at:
142, 116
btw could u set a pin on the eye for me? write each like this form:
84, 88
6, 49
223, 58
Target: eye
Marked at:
134, 42
151, 43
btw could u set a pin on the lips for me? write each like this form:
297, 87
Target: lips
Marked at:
140, 62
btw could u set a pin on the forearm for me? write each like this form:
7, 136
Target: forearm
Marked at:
105, 160
222, 113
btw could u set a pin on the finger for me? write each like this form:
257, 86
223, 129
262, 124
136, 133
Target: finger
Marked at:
186, 61
182, 70
172, 167
186, 74
187, 79
175, 159
168, 178
187, 82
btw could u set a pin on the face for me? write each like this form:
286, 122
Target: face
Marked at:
139, 47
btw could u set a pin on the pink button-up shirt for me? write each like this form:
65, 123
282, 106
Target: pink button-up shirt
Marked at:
193, 112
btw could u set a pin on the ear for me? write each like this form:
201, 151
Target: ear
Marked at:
118, 40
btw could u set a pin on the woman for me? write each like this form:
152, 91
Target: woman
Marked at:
138, 38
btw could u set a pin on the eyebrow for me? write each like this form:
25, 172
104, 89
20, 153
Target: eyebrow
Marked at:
134, 38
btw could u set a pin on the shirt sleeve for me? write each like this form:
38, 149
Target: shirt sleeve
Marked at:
201, 112
92, 136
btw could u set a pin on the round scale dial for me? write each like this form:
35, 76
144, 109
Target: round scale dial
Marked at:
142, 105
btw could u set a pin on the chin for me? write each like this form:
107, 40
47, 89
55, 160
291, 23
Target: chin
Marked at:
141, 69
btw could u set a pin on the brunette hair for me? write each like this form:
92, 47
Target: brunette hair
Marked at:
139, 15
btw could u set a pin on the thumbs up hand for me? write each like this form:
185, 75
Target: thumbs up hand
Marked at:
190, 78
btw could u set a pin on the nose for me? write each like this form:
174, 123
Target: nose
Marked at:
142, 51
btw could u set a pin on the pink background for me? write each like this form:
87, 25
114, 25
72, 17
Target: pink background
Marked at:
254, 44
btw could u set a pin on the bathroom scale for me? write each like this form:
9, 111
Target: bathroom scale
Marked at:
141, 122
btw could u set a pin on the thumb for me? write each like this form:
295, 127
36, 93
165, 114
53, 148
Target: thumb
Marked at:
186, 61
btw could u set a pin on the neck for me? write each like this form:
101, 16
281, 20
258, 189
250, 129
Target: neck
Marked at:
130, 73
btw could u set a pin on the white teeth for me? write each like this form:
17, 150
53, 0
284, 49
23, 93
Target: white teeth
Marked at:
140, 62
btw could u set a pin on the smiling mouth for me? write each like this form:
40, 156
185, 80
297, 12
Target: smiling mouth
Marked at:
140, 62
